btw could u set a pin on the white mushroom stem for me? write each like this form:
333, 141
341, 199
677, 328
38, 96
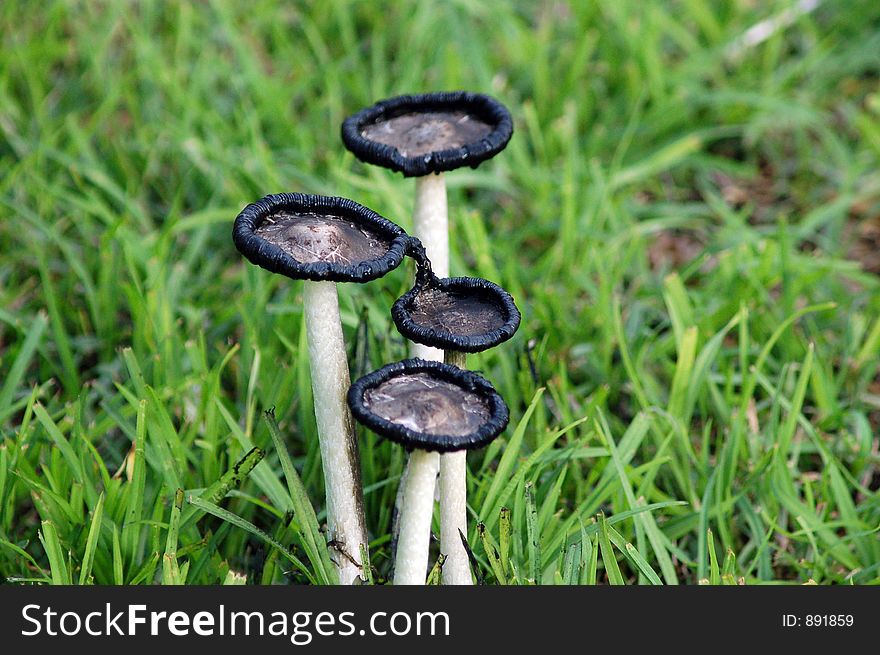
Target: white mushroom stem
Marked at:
413, 544
431, 227
339, 448
453, 505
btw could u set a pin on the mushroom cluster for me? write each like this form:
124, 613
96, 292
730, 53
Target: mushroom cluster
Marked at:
430, 404
459, 315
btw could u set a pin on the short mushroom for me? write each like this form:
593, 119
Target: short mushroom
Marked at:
429, 407
324, 240
460, 315
423, 136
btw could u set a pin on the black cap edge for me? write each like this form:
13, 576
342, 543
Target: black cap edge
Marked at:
269, 256
400, 313
499, 415
472, 154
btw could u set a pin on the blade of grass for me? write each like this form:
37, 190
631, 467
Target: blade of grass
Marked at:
504, 529
92, 541
491, 555
633, 555
249, 527
233, 478
131, 529
612, 570
15, 373
714, 570
55, 553
508, 460
170, 568
313, 542
533, 535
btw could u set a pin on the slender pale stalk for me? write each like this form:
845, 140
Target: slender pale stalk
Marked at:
411, 561
453, 505
431, 227
339, 448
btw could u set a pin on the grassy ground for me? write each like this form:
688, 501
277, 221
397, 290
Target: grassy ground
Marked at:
691, 231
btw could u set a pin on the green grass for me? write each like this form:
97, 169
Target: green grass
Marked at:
694, 389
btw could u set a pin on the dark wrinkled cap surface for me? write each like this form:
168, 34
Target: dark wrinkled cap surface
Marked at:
428, 405
430, 133
309, 237
466, 314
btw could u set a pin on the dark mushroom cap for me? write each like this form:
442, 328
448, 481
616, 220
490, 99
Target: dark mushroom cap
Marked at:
466, 314
421, 134
429, 406
309, 237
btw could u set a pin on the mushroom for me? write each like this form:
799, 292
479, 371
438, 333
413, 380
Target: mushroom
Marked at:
429, 407
323, 240
460, 315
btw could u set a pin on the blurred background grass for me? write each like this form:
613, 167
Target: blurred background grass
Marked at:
689, 222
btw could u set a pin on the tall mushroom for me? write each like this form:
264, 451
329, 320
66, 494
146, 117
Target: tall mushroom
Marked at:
461, 315
324, 240
429, 407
